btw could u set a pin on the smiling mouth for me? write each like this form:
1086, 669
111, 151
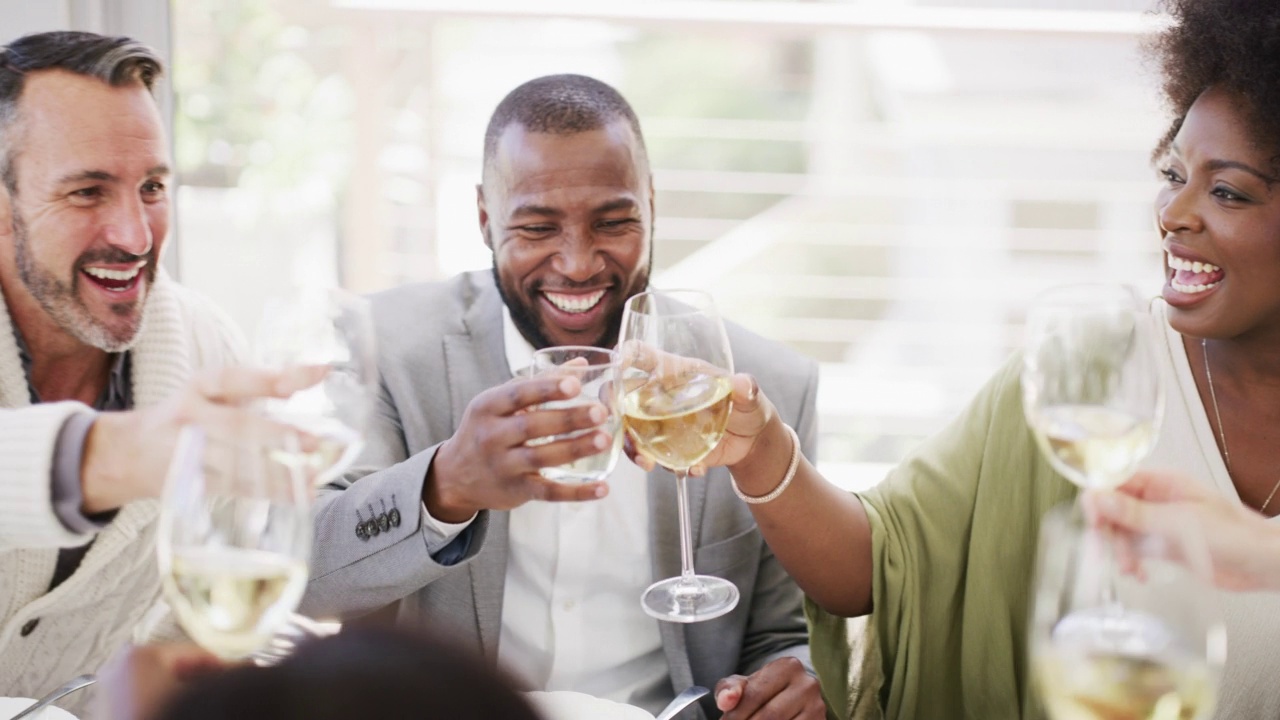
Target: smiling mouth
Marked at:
114, 280
1193, 276
574, 304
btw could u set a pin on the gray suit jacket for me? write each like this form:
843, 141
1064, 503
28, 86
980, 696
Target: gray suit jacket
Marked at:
439, 346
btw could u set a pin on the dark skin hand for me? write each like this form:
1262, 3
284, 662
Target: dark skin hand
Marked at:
782, 689
488, 463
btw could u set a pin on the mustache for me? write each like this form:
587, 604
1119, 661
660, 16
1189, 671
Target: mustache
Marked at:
111, 256
609, 279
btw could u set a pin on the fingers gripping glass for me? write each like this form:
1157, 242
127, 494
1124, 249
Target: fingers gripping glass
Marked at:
595, 370
234, 538
675, 366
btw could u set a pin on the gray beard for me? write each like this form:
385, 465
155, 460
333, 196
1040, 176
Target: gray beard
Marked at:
61, 301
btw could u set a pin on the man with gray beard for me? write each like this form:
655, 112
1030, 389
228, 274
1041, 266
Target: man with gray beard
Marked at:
90, 325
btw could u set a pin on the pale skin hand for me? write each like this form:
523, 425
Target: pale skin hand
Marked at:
1244, 547
126, 454
781, 689
487, 464
139, 680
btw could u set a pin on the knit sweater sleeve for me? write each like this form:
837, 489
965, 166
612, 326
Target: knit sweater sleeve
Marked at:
27, 440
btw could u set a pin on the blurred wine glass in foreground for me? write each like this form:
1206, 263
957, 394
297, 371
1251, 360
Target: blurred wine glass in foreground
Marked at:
234, 538
1091, 385
1140, 637
331, 327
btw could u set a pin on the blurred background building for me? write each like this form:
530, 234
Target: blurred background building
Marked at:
882, 184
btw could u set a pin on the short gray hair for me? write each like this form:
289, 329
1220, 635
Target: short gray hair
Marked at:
117, 61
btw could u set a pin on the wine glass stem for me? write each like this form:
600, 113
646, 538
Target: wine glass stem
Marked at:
686, 538
1110, 598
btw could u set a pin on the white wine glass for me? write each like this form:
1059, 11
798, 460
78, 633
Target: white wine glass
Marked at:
1156, 654
234, 538
332, 327
675, 366
1092, 387
596, 369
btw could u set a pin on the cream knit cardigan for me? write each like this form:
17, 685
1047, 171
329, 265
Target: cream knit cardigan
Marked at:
97, 609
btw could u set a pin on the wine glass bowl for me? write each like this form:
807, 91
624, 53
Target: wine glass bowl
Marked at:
234, 539
596, 371
1137, 639
1091, 384
334, 328
675, 367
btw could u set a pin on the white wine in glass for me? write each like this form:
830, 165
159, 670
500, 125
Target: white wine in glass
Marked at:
1138, 640
1091, 385
675, 364
323, 326
234, 539
596, 370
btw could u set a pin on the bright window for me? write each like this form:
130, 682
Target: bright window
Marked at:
883, 199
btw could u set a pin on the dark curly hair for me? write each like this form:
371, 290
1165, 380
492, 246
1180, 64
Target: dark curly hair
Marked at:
1231, 44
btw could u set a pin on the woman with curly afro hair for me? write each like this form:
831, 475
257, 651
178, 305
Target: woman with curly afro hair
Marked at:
940, 555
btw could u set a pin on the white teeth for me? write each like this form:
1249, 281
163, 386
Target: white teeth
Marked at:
1193, 289
118, 275
575, 303
1178, 263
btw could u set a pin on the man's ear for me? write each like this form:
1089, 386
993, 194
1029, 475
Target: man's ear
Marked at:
484, 216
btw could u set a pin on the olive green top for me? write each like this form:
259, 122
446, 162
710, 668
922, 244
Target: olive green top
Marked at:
954, 530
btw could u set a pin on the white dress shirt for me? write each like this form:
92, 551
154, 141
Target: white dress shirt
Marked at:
571, 617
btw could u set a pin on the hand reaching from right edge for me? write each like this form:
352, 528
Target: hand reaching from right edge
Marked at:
1243, 546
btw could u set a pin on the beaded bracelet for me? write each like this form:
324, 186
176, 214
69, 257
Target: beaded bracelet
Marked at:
786, 479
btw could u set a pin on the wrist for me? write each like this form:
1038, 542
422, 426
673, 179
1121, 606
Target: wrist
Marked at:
103, 477
442, 504
765, 463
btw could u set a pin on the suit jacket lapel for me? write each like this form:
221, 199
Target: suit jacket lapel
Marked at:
664, 548
475, 360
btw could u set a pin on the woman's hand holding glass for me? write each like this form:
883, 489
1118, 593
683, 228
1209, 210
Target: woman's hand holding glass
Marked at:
675, 384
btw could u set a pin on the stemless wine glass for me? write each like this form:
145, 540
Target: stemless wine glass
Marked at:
323, 326
1092, 388
1156, 654
596, 370
234, 538
675, 367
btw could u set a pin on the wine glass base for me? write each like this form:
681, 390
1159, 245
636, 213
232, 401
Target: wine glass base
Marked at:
689, 600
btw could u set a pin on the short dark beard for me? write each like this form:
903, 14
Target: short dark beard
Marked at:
527, 322
62, 301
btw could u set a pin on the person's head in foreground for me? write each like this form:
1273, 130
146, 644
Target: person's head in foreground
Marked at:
84, 208
566, 206
380, 673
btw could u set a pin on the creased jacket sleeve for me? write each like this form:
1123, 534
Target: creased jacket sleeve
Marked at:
351, 576
28, 437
